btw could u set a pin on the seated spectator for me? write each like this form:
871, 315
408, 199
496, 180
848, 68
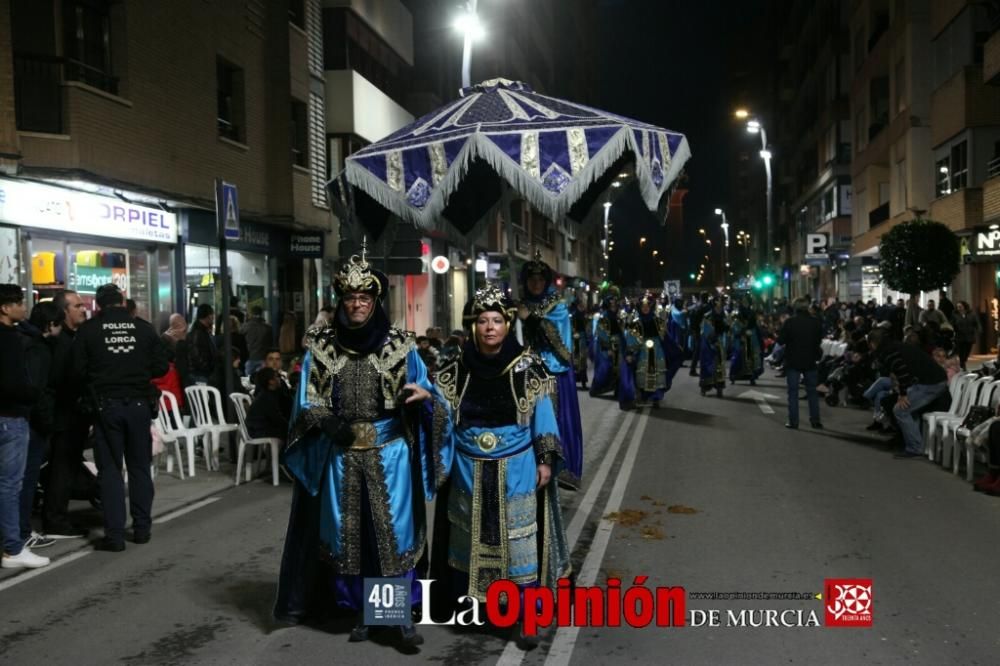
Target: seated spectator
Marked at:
268, 415
951, 364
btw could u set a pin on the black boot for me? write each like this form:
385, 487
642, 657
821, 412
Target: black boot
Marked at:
359, 633
409, 637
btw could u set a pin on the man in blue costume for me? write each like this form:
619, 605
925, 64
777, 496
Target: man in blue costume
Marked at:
606, 345
714, 343
677, 327
747, 360
361, 468
547, 331
652, 358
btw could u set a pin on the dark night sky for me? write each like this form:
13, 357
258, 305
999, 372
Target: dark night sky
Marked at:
665, 63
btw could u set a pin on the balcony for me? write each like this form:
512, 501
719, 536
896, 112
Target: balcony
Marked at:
356, 106
963, 101
959, 210
38, 83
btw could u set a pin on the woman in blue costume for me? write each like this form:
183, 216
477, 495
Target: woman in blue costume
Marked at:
606, 345
362, 468
714, 342
547, 331
747, 360
652, 358
503, 510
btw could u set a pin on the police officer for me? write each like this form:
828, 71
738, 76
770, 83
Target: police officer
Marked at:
116, 357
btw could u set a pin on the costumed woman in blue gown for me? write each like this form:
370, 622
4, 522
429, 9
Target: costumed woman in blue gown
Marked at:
606, 345
714, 342
652, 358
503, 507
677, 328
747, 360
547, 331
362, 468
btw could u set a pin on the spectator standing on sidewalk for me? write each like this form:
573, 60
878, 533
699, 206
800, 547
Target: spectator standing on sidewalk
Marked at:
117, 357
17, 396
202, 351
932, 314
71, 429
967, 329
259, 337
41, 332
921, 381
801, 337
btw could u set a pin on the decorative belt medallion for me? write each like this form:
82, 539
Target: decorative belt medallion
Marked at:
487, 441
649, 344
365, 435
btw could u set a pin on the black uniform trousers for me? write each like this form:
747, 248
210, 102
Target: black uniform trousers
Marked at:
122, 431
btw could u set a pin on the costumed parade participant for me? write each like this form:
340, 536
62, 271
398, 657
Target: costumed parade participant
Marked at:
504, 520
714, 341
606, 343
652, 358
361, 474
747, 359
677, 327
547, 331
696, 314
582, 322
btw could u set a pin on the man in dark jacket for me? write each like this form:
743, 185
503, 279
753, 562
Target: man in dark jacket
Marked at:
801, 336
70, 429
202, 352
921, 381
259, 337
117, 357
17, 396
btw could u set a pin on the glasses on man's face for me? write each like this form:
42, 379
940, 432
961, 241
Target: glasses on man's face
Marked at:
360, 300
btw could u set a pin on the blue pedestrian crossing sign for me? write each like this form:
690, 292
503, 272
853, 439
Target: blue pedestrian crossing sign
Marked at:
227, 210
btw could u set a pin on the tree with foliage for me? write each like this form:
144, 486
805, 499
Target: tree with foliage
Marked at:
919, 255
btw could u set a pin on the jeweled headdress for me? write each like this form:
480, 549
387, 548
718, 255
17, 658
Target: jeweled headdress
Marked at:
489, 298
357, 276
536, 267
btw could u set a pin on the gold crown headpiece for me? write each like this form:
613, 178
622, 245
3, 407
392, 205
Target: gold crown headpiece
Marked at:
490, 298
356, 275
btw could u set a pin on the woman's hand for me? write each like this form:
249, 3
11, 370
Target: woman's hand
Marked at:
418, 394
543, 475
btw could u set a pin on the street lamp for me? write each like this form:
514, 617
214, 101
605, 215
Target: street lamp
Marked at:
642, 241
607, 234
469, 25
754, 127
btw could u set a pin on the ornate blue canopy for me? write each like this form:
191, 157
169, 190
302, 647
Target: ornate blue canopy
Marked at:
558, 155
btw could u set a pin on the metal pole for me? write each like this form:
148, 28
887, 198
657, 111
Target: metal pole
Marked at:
227, 334
607, 261
770, 207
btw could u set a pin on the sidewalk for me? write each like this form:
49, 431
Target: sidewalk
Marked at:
172, 494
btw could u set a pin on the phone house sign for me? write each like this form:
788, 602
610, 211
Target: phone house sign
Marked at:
59, 209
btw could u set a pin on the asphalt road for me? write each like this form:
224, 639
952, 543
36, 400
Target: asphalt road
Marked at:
710, 494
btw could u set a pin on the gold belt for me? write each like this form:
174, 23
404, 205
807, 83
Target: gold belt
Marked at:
365, 435
487, 441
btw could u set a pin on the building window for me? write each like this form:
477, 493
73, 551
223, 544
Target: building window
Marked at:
87, 43
959, 166
299, 133
943, 182
900, 82
297, 13
231, 111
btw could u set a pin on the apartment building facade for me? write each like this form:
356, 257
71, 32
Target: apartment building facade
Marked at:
118, 129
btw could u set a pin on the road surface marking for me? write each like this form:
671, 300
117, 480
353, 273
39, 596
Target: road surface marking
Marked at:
513, 655
20, 578
761, 399
188, 509
565, 639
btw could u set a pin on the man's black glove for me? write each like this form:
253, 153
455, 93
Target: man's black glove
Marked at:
338, 430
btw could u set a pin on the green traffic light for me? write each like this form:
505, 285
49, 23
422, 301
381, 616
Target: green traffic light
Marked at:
768, 280
757, 284
691, 275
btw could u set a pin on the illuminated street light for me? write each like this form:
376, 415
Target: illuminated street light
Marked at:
642, 241
741, 113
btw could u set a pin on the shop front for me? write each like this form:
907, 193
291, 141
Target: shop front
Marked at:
257, 263
54, 238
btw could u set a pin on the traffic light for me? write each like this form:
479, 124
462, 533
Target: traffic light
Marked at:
767, 279
691, 275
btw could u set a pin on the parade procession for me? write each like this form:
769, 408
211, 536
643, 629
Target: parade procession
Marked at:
514, 332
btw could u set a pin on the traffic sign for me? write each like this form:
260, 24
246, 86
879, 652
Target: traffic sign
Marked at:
227, 210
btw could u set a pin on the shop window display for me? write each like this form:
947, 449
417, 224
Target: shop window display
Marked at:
248, 278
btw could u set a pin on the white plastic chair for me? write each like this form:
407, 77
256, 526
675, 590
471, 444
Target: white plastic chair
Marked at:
946, 424
169, 441
242, 403
957, 388
952, 443
172, 426
206, 405
968, 444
